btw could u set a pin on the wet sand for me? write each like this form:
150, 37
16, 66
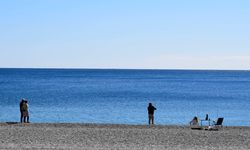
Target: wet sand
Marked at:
108, 136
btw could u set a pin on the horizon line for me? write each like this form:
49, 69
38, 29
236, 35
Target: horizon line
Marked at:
96, 68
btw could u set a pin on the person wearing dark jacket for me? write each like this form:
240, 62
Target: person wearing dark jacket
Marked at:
151, 110
21, 106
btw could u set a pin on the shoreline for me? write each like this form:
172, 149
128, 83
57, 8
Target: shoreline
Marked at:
119, 136
70, 124
109, 124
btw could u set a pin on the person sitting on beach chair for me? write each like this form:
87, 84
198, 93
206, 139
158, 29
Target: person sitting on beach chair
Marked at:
194, 121
194, 124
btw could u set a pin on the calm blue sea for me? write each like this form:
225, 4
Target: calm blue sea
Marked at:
122, 96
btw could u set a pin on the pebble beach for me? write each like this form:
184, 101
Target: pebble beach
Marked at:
111, 136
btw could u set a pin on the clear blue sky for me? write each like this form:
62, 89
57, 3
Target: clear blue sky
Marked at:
159, 34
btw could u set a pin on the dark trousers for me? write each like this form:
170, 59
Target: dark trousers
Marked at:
26, 117
151, 119
21, 118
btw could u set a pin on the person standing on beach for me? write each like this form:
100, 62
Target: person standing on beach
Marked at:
25, 111
21, 106
151, 110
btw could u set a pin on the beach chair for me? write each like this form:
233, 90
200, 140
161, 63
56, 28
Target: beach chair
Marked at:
216, 125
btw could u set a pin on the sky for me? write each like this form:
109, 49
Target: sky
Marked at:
128, 34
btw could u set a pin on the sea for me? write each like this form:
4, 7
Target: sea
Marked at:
121, 96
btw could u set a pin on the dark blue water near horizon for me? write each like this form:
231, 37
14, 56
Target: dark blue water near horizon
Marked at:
121, 96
